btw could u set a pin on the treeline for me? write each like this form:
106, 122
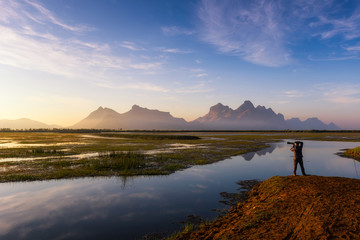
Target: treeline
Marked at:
68, 130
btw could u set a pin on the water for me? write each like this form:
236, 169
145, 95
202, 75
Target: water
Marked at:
127, 208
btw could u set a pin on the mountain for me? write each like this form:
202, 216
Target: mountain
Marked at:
245, 117
310, 123
219, 117
137, 118
101, 118
248, 117
24, 123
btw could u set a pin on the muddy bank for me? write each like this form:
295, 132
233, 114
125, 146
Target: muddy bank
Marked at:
310, 207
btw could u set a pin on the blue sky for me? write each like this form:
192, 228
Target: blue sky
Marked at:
62, 59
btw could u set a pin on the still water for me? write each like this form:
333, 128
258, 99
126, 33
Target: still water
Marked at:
128, 208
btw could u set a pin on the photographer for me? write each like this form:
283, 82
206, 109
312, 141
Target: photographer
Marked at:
298, 156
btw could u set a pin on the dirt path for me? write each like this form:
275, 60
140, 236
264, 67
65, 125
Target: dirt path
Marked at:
310, 207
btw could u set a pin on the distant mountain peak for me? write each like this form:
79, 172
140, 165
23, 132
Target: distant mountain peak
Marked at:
247, 105
135, 106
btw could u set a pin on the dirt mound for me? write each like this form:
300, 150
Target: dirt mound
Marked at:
310, 207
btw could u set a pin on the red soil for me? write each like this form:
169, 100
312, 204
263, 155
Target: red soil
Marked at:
310, 207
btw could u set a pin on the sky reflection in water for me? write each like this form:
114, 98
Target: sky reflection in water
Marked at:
127, 208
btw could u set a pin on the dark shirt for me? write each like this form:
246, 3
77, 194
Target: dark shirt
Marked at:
297, 149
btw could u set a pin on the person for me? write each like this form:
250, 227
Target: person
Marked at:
298, 156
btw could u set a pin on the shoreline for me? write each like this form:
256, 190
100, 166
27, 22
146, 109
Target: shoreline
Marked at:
300, 207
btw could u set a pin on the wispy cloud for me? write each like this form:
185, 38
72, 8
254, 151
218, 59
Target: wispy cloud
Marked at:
175, 31
176, 50
47, 16
29, 41
294, 94
344, 93
146, 65
353, 48
347, 27
198, 73
263, 32
131, 46
251, 30
134, 85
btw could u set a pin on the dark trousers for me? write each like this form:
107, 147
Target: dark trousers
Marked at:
299, 161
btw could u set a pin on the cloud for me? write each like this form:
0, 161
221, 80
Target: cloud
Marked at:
46, 16
146, 66
347, 27
135, 85
29, 41
176, 50
355, 48
69, 58
340, 93
175, 31
294, 94
264, 32
250, 30
131, 46
198, 73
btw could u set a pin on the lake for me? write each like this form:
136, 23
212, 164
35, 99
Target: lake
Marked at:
128, 208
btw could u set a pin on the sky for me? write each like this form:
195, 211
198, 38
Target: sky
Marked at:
62, 59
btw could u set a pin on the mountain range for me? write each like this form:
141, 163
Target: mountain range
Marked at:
137, 118
25, 123
219, 117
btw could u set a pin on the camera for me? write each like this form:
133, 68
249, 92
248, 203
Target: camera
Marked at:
290, 143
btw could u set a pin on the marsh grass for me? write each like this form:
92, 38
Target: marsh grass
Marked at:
118, 161
152, 136
124, 153
353, 153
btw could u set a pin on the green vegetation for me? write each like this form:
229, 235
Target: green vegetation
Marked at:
353, 153
39, 155
151, 136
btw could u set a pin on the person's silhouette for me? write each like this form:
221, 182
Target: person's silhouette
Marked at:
298, 156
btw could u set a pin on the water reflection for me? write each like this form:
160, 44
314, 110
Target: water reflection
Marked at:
249, 156
127, 208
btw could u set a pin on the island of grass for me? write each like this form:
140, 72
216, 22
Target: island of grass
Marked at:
353, 153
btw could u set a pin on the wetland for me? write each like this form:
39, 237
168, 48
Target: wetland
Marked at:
108, 185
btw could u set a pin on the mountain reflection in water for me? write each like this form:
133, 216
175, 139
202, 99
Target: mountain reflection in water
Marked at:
250, 155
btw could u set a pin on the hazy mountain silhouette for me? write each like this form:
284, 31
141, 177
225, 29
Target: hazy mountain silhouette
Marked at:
100, 119
137, 118
244, 117
24, 123
310, 123
247, 116
220, 117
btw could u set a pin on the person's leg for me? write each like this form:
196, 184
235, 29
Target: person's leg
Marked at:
302, 166
295, 167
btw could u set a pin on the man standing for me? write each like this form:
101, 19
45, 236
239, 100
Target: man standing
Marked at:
298, 156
